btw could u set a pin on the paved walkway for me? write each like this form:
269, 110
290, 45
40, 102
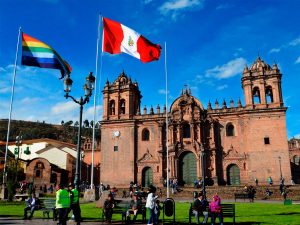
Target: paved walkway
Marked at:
14, 220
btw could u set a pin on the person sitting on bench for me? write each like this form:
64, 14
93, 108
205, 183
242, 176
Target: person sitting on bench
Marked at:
33, 203
134, 206
200, 208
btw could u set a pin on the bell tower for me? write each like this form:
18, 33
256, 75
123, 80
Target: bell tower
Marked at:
262, 85
121, 99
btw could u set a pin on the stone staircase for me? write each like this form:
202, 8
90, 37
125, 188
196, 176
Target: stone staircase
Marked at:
227, 192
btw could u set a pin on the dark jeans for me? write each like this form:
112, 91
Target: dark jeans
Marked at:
31, 208
76, 212
63, 216
214, 215
108, 214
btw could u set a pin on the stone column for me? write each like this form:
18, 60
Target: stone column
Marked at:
175, 166
192, 132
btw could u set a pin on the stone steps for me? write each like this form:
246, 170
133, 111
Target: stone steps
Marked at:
227, 192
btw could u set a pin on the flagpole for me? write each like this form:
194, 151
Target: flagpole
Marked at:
95, 97
10, 108
167, 121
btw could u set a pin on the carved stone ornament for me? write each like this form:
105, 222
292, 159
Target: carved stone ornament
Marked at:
233, 154
147, 157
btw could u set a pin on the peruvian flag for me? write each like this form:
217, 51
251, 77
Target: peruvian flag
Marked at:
118, 38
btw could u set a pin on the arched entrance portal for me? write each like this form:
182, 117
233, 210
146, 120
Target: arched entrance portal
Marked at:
187, 168
233, 175
147, 177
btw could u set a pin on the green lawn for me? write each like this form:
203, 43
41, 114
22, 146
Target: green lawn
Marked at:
246, 213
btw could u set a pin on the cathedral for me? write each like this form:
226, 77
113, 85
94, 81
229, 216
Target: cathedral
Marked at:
228, 144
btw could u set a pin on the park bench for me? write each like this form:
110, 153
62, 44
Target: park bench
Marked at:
47, 206
241, 196
121, 207
228, 210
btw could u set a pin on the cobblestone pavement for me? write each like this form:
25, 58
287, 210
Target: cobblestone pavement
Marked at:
14, 220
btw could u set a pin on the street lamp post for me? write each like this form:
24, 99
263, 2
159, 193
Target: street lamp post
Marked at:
203, 154
18, 144
88, 87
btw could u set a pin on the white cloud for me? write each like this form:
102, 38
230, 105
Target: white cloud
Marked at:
274, 50
230, 69
222, 87
4, 90
64, 108
2, 69
295, 42
28, 100
147, 1
297, 136
89, 113
297, 60
173, 7
162, 91
223, 6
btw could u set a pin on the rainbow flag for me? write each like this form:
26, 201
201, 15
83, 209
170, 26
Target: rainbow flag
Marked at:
38, 54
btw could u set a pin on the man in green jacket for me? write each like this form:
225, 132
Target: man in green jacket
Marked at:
62, 204
74, 197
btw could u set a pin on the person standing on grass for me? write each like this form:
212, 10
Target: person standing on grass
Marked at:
150, 204
62, 204
215, 209
33, 204
74, 198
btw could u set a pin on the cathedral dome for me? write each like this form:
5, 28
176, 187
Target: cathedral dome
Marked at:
259, 65
185, 99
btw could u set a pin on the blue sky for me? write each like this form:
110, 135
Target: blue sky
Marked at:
208, 44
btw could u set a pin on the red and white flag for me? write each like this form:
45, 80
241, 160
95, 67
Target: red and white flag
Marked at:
118, 38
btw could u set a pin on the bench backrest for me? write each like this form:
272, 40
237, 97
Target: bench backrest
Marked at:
228, 210
48, 203
240, 195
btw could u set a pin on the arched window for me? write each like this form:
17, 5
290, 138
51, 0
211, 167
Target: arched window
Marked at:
230, 130
145, 135
186, 130
269, 94
296, 160
256, 95
112, 107
122, 106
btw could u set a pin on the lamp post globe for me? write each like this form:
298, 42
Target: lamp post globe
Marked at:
88, 88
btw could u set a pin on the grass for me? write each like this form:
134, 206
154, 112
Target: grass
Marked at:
246, 213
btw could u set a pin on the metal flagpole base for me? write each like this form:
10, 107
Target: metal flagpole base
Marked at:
89, 195
3, 193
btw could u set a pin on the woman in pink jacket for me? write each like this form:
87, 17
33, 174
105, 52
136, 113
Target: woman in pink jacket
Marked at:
215, 209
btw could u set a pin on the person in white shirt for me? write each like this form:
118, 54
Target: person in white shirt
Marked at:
150, 204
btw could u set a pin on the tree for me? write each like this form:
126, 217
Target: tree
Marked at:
86, 123
76, 124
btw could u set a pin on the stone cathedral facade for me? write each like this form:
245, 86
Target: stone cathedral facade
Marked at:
230, 144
